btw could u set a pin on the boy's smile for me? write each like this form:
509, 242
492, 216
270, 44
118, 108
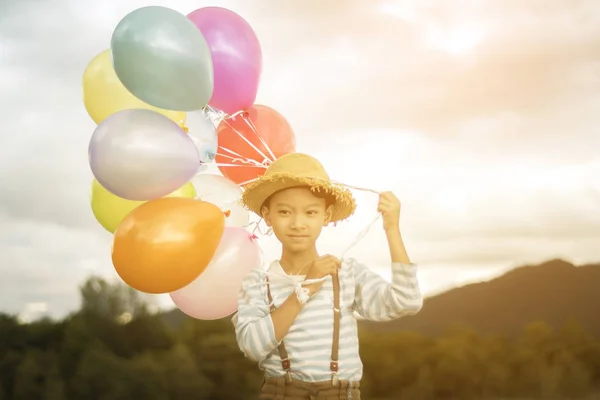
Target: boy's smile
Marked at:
297, 217
298, 237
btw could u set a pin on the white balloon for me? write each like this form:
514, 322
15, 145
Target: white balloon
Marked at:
203, 133
238, 216
141, 155
223, 193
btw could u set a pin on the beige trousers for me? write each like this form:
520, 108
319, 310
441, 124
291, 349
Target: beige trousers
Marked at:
278, 389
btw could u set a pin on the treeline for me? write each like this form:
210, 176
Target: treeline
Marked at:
115, 348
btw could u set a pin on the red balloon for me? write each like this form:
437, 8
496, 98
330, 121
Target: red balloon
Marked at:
237, 159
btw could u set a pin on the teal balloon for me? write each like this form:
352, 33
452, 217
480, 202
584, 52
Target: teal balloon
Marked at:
162, 58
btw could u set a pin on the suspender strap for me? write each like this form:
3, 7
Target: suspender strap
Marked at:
283, 354
336, 330
334, 366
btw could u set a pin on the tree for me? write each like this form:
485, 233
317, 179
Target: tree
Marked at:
184, 378
12, 335
120, 318
220, 360
147, 378
148, 332
97, 355
101, 375
54, 388
44, 334
29, 379
116, 301
422, 387
9, 365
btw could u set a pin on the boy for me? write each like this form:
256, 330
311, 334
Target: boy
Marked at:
307, 341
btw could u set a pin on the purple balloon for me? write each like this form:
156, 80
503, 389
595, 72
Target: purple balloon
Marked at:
142, 155
236, 56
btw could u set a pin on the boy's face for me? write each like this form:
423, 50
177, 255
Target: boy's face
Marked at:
297, 217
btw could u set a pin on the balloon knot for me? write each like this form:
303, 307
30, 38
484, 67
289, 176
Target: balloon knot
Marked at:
185, 129
227, 213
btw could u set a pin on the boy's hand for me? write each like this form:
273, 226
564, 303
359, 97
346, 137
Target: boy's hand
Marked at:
322, 267
389, 207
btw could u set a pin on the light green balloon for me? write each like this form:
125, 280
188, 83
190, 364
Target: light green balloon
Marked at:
163, 59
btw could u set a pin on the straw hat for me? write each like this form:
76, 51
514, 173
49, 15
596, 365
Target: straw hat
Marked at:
294, 170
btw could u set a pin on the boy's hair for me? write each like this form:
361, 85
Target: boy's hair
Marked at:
329, 199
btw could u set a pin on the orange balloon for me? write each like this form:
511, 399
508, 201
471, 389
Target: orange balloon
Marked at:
164, 244
255, 123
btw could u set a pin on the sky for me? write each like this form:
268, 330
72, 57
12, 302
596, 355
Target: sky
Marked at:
482, 116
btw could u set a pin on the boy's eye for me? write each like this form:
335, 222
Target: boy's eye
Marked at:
283, 212
312, 212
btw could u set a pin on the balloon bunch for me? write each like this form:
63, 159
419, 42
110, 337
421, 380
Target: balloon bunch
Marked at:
172, 94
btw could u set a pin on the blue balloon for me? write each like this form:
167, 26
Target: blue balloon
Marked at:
163, 59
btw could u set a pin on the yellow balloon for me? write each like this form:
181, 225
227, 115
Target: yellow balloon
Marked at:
110, 209
104, 94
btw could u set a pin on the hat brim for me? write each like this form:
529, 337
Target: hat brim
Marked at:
257, 192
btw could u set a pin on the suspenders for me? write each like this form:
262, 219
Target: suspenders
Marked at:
333, 365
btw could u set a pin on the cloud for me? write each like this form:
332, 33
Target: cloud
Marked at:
528, 61
481, 115
45, 262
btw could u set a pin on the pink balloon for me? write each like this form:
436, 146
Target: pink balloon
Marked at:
236, 56
214, 294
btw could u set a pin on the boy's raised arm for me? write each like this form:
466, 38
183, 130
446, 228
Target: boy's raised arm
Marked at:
378, 300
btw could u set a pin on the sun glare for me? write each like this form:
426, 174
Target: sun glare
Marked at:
398, 10
459, 40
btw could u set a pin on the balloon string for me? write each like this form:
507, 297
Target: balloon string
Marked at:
247, 182
366, 229
362, 189
258, 135
241, 159
249, 225
240, 165
360, 236
235, 114
222, 116
234, 153
234, 158
265, 158
256, 227
217, 115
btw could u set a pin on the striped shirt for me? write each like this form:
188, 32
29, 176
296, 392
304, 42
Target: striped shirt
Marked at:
309, 340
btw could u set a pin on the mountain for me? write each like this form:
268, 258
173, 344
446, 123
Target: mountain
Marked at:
555, 292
